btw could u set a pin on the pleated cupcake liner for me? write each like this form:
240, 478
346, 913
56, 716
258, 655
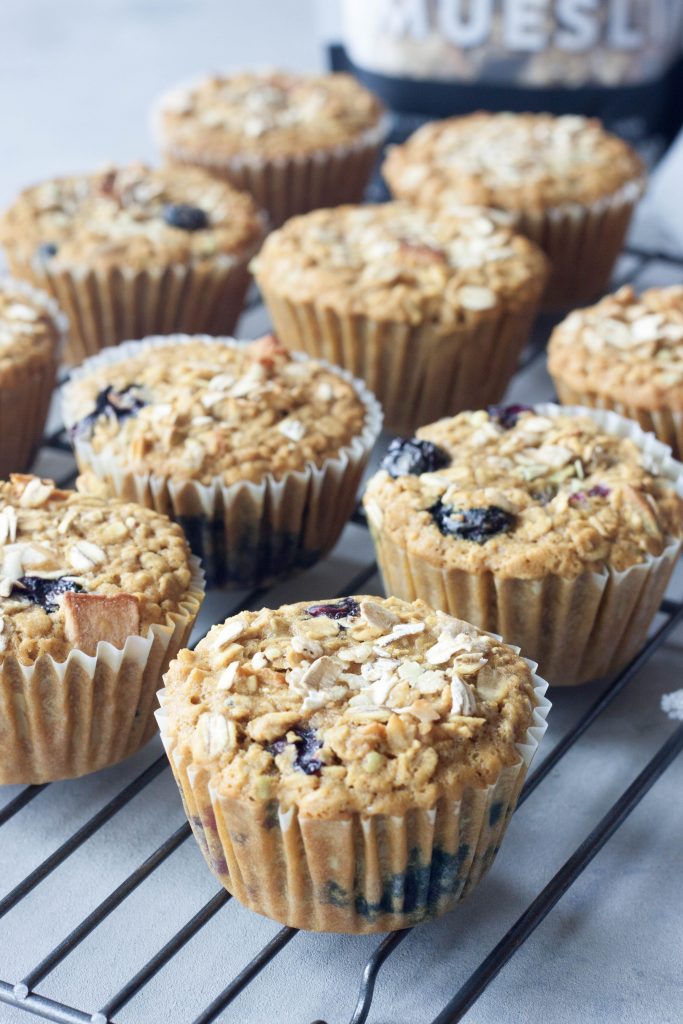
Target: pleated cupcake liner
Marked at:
357, 873
25, 401
110, 304
61, 720
577, 629
290, 184
665, 424
417, 372
246, 534
582, 243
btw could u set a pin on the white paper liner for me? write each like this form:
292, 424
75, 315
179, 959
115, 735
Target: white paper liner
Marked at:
245, 533
357, 874
65, 719
578, 628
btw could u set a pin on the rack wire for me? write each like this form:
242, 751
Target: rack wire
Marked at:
25, 993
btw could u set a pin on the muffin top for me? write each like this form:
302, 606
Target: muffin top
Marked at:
201, 408
394, 262
136, 216
515, 161
75, 570
359, 704
266, 114
31, 328
626, 347
525, 494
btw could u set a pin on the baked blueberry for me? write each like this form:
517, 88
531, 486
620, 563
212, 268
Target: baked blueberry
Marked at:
412, 456
185, 217
306, 749
506, 416
44, 592
46, 250
111, 402
475, 524
346, 608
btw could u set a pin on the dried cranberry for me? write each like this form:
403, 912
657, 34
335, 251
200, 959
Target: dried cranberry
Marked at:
44, 592
111, 402
185, 217
348, 607
309, 745
475, 524
597, 491
411, 456
506, 416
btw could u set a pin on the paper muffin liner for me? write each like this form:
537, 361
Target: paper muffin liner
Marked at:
356, 873
665, 424
61, 720
577, 629
245, 533
289, 184
25, 403
582, 243
417, 372
106, 305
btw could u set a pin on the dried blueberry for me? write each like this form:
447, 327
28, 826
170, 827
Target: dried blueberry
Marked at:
348, 607
475, 524
46, 250
413, 456
185, 217
44, 592
506, 416
597, 491
111, 402
306, 749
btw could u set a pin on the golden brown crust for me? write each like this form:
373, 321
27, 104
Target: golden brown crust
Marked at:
117, 217
625, 348
215, 409
568, 498
513, 161
375, 705
111, 549
265, 115
394, 262
30, 331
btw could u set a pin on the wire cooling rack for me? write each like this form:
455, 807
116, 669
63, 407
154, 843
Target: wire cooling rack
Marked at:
132, 793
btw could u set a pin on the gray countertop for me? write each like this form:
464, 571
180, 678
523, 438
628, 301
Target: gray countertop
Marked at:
77, 79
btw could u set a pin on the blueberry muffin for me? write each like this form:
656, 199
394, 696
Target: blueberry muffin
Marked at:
568, 185
296, 142
626, 354
132, 251
32, 332
431, 311
258, 454
96, 597
557, 528
350, 765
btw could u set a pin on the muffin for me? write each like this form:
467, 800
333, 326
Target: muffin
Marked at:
626, 354
431, 311
557, 528
96, 597
350, 765
568, 185
132, 251
32, 332
295, 142
256, 453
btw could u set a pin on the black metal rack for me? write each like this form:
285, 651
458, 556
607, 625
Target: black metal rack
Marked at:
25, 993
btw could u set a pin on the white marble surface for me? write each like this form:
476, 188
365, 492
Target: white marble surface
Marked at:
76, 78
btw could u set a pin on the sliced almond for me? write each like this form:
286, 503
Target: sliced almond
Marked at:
270, 726
377, 615
84, 555
227, 633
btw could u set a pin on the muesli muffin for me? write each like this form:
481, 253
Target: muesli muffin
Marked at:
568, 185
350, 765
131, 251
296, 142
96, 597
256, 453
32, 332
431, 311
626, 354
556, 527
